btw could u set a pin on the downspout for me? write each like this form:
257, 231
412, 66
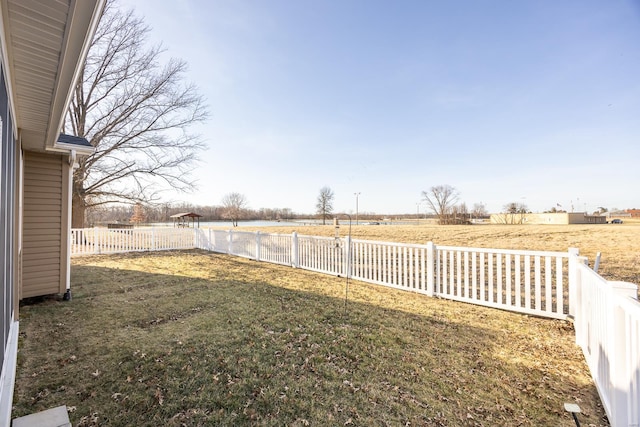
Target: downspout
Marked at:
72, 165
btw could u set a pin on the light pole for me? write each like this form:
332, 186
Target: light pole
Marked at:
357, 195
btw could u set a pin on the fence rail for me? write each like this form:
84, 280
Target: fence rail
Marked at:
557, 285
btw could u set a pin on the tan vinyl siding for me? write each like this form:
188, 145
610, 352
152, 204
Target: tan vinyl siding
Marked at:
43, 234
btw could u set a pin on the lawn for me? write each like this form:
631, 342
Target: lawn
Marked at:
194, 338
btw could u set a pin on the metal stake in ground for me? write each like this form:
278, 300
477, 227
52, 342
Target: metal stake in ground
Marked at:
573, 409
336, 224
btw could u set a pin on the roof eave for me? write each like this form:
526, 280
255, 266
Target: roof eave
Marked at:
67, 148
83, 20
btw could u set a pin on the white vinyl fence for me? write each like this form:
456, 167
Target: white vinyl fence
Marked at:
557, 285
607, 325
93, 241
531, 282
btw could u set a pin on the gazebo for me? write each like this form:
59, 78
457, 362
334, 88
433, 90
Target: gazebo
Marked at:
186, 219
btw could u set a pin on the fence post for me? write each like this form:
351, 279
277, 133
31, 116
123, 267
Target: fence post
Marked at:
295, 253
575, 295
258, 244
431, 250
153, 239
230, 242
209, 241
623, 366
596, 263
574, 276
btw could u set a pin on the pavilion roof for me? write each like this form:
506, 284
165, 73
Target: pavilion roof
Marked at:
186, 215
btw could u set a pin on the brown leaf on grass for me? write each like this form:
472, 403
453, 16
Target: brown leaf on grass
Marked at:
159, 396
89, 420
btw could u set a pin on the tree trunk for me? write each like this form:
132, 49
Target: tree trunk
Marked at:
78, 209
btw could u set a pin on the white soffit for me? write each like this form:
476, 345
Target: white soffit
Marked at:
46, 44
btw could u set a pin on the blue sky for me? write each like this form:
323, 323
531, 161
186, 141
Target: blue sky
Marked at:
535, 102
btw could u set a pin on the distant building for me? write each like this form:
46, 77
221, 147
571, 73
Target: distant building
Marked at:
635, 213
619, 214
555, 218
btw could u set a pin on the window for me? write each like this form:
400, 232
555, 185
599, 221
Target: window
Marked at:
7, 217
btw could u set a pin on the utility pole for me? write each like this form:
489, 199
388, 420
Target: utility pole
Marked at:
357, 195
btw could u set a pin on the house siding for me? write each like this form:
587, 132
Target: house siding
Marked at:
43, 228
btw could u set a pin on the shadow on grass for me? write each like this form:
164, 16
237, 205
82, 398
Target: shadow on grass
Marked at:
228, 341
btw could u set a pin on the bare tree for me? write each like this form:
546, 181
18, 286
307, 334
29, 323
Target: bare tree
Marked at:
441, 199
137, 113
286, 213
233, 207
479, 210
516, 208
462, 208
458, 214
324, 205
513, 213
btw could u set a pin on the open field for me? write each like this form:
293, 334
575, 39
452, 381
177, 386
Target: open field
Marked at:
193, 338
619, 243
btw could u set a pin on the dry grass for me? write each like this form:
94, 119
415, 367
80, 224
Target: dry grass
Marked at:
194, 338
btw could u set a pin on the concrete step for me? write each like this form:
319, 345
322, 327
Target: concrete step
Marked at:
54, 417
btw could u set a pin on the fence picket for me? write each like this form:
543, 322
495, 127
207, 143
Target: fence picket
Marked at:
509, 280
527, 281
538, 282
482, 282
491, 278
559, 287
499, 278
548, 285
